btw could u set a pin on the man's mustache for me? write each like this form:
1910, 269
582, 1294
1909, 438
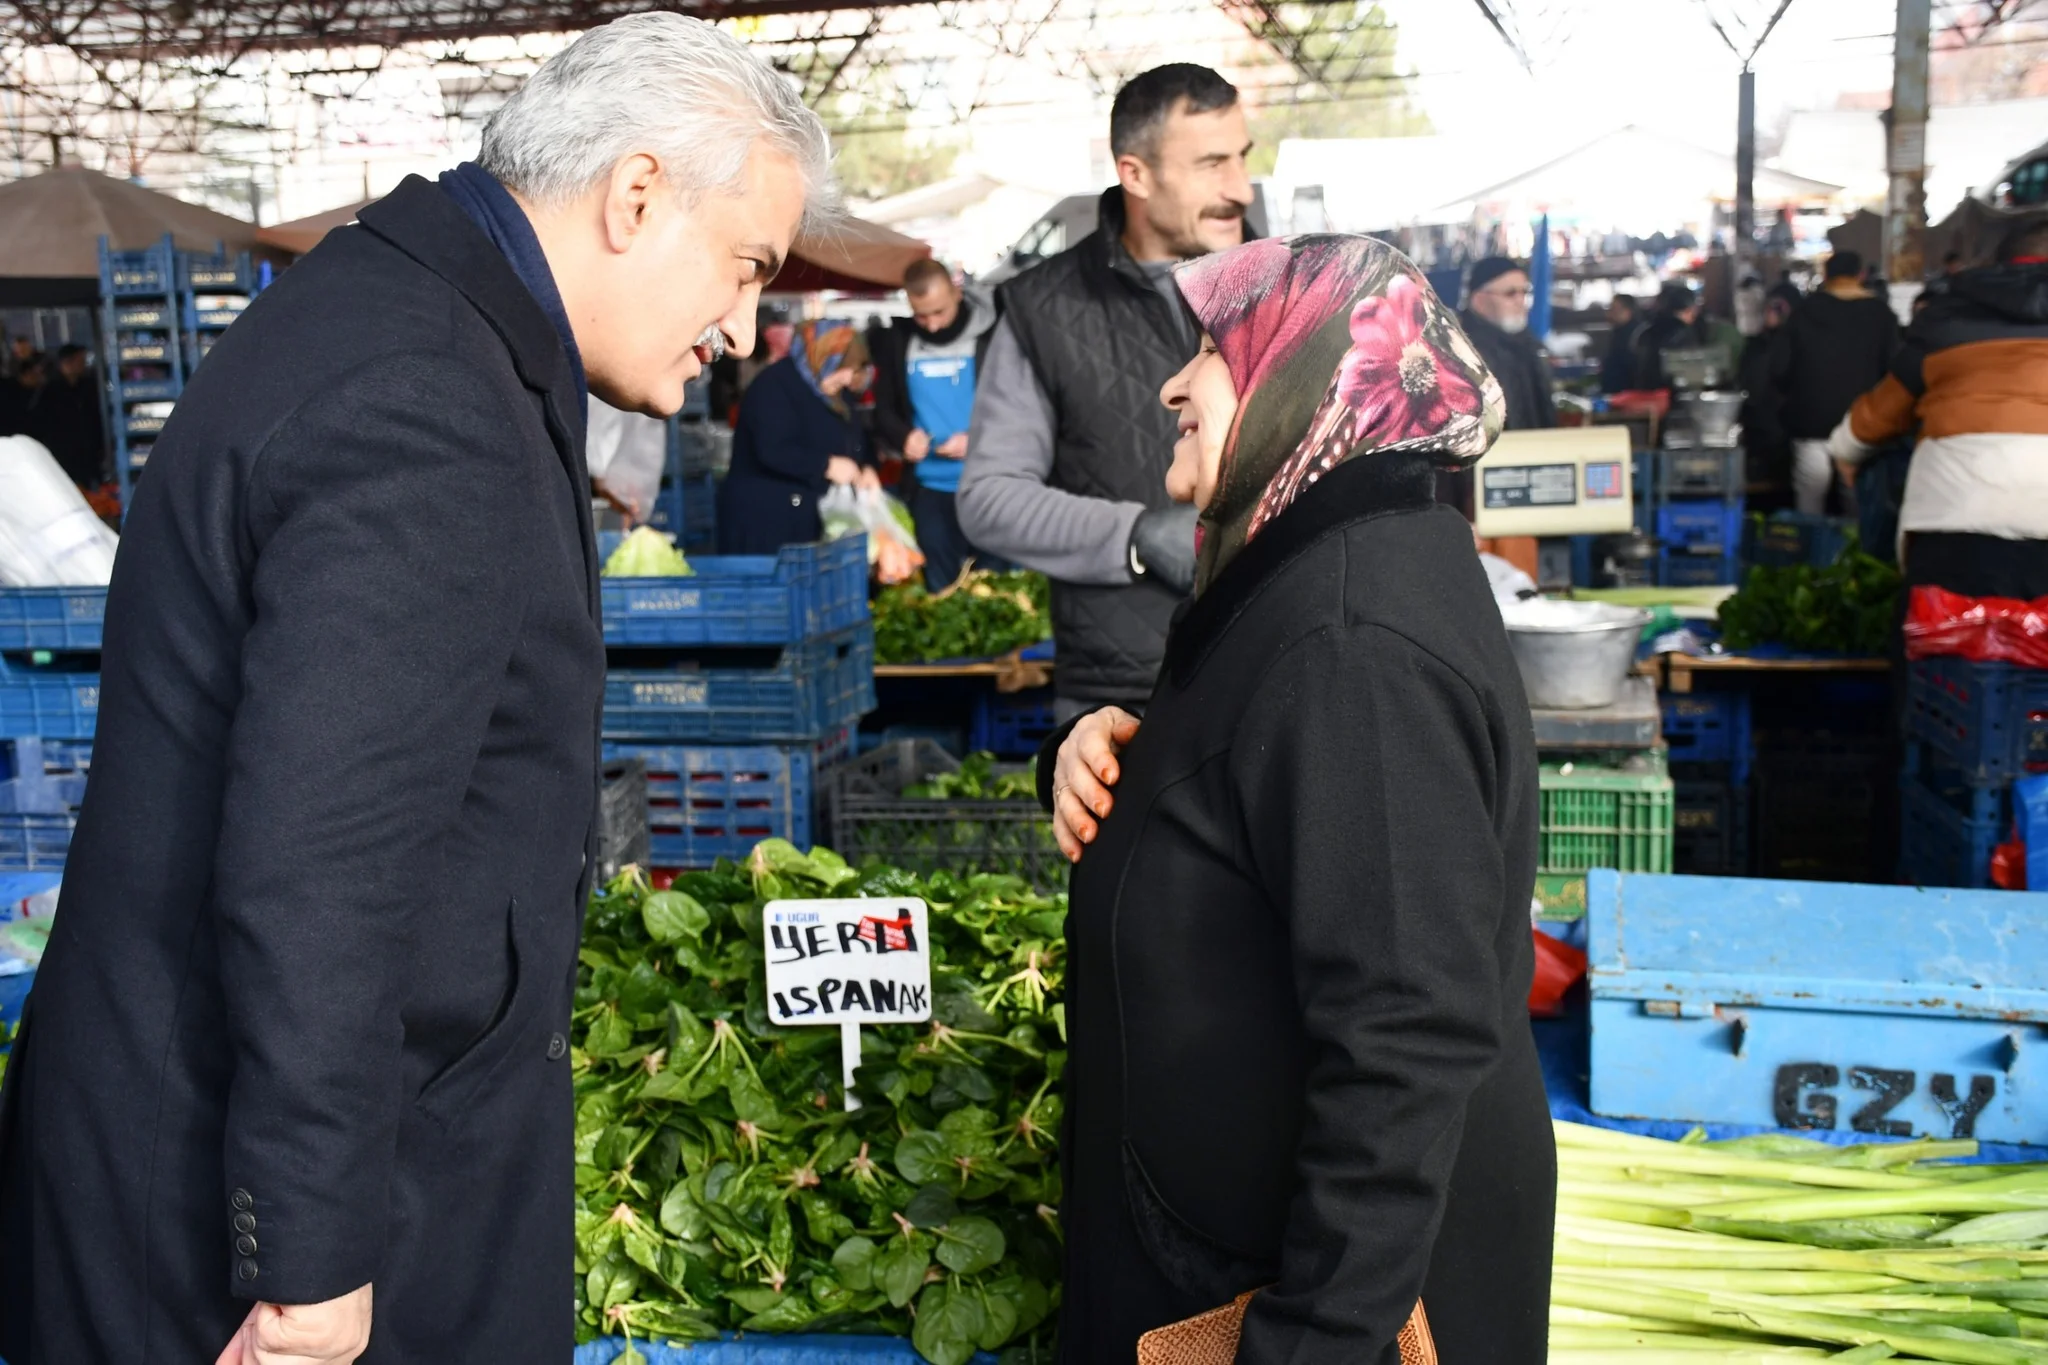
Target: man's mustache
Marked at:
1224, 212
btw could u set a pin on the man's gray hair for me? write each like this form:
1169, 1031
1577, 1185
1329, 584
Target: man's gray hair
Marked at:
678, 88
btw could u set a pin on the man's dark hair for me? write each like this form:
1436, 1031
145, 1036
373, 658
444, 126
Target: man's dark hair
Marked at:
1627, 301
1676, 296
2023, 242
68, 350
1845, 265
923, 273
1145, 102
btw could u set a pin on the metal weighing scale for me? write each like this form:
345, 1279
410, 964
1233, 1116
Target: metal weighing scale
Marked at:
1568, 481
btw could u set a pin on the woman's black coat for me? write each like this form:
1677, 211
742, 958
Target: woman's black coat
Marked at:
1300, 958
785, 435
301, 1022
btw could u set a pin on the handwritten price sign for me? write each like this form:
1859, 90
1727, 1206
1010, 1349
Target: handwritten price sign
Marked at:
848, 962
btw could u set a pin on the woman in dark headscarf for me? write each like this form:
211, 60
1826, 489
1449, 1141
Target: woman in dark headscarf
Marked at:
1300, 955
797, 435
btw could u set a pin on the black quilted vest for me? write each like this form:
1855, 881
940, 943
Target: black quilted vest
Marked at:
1102, 342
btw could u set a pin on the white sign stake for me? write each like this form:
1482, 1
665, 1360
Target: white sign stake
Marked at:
848, 962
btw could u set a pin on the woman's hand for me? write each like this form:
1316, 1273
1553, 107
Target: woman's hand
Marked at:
870, 479
841, 470
1082, 774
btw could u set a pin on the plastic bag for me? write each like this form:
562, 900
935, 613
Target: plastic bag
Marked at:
627, 453
49, 535
892, 543
1559, 967
1985, 630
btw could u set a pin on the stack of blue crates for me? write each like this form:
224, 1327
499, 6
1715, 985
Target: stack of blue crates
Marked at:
699, 451
161, 311
735, 686
1693, 506
49, 707
1709, 738
1971, 729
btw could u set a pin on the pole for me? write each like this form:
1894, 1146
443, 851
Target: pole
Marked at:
1905, 212
849, 1060
1745, 175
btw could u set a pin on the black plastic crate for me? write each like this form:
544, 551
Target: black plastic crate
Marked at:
622, 836
1710, 826
873, 819
1818, 807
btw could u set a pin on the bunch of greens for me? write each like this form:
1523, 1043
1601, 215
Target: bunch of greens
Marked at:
644, 552
1849, 607
1779, 1248
977, 780
977, 617
720, 1182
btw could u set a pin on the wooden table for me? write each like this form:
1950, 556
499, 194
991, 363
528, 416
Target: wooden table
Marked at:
1676, 672
1011, 672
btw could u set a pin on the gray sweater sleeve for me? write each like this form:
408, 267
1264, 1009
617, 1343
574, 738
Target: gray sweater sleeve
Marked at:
1006, 505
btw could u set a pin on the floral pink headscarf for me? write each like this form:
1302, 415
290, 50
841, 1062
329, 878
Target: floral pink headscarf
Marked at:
1339, 349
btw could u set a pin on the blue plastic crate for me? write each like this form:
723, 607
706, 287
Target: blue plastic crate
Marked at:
803, 593
51, 618
125, 274
1941, 843
1012, 726
700, 515
1679, 569
35, 842
1709, 727
706, 802
48, 703
1700, 527
769, 1348
1988, 720
1887, 1010
811, 690
216, 273
1710, 821
1786, 539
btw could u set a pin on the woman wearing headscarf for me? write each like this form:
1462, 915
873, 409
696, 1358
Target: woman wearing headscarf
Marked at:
797, 435
1299, 938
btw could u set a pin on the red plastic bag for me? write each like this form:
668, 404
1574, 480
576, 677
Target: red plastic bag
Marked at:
1559, 967
2009, 866
1986, 630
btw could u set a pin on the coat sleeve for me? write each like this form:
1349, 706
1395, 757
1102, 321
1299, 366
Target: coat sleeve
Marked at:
386, 601
1366, 774
893, 421
775, 430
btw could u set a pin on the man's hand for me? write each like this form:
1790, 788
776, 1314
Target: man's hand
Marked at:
841, 470
330, 1333
917, 445
870, 479
1082, 774
954, 447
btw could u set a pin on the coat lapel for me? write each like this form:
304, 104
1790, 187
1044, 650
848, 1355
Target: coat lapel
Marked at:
424, 223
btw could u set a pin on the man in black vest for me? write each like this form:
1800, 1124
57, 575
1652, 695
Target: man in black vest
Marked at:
1067, 456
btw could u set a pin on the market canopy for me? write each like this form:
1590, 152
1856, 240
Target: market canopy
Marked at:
52, 224
1635, 177
856, 257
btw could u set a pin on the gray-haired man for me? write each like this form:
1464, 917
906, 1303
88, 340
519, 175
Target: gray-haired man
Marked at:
300, 1038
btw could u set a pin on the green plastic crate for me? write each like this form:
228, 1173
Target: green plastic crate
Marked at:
1608, 812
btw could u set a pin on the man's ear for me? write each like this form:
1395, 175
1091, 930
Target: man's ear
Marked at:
1134, 175
629, 199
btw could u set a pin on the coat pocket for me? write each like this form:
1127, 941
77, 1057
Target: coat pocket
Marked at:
452, 1087
1191, 1261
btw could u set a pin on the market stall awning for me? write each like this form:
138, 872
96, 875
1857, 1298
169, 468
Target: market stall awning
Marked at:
52, 224
856, 257
301, 235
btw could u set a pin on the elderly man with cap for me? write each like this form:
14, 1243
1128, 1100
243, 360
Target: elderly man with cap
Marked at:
1496, 316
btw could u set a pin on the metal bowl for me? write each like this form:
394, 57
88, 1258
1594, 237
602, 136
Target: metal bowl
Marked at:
1574, 656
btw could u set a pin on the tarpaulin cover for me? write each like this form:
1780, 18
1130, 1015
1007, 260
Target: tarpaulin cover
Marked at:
1985, 630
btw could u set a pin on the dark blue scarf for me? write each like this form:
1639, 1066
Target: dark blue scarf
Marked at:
498, 215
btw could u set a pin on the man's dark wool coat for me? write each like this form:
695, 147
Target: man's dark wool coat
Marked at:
301, 1025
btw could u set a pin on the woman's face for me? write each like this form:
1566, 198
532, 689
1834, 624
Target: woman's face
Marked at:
1206, 401
844, 378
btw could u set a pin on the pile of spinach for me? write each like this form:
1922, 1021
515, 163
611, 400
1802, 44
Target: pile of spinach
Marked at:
720, 1182
978, 780
980, 616
977, 818
1849, 607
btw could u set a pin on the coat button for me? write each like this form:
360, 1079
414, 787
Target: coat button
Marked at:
247, 1270
558, 1048
796, 500
245, 1222
246, 1245
241, 1200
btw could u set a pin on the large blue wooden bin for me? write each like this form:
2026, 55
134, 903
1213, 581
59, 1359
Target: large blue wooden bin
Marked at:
1888, 1010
